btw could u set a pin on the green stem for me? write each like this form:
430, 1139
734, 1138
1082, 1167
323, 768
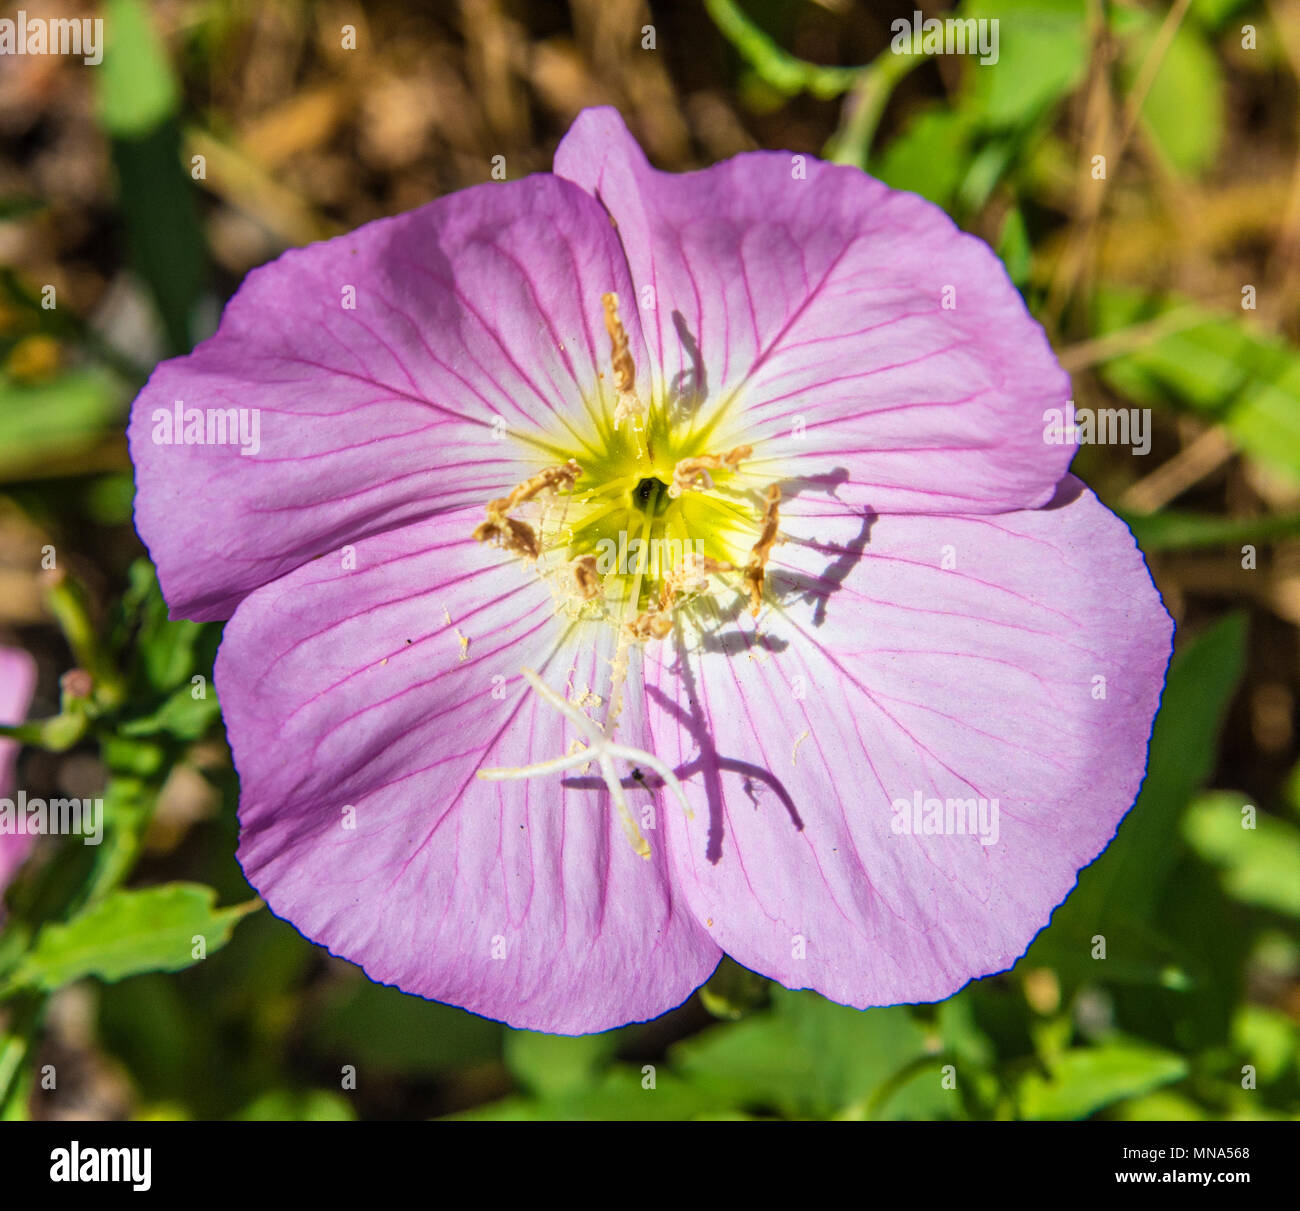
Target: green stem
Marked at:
781, 70
68, 604
865, 105
16, 1043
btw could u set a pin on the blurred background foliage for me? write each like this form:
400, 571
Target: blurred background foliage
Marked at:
214, 135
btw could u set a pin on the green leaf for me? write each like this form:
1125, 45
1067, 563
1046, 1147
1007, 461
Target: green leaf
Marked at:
128, 932
298, 1106
385, 1030
809, 1057
1268, 1039
1086, 1079
758, 1062
181, 715
621, 1096
1159, 1107
138, 112
733, 991
855, 1052
1219, 369
1014, 247
137, 89
1260, 865
168, 653
1211, 14
1175, 531
109, 499
553, 1065
1117, 894
40, 422
1201, 682
929, 157
1183, 111
1042, 56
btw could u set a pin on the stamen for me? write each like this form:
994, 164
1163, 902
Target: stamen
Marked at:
691, 577
693, 473
587, 577
518, 536
629, 405
653, 623
603, 750
754, 573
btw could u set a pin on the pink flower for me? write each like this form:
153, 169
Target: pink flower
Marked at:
883, 594
17, 684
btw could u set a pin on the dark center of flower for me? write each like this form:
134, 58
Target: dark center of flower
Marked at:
651, 493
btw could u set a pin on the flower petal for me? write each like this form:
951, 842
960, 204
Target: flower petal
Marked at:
473, 347
519, 900
17, 685
851, 332
881, 676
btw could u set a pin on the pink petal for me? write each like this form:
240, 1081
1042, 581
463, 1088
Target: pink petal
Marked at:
818, 304
480, 309
880, 677
17, 685
328, 705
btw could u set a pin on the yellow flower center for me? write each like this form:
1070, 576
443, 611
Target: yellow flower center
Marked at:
644, 518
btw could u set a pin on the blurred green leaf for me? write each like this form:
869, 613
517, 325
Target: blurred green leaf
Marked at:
1260, 865
109, 499
40, 422
1159, 1107
1268, 1038
137, 89
624, 1094
855, 1052
1086, 1079
1201, 681
1211, 14
1116, 895
929, 157
129, 932
148, 1024
181, 715
383, 1029
1183, 111
1219, 369
809, 1057
732, 991
168, 654
1171, 530
20, 206
300, 1106
1014, 247
552, 1065
758, 1062
1042, 56
137, 110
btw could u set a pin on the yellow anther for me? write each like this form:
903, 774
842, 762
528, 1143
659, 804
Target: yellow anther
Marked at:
587, 577
510, 533
754, 573
651, 624
629, 405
